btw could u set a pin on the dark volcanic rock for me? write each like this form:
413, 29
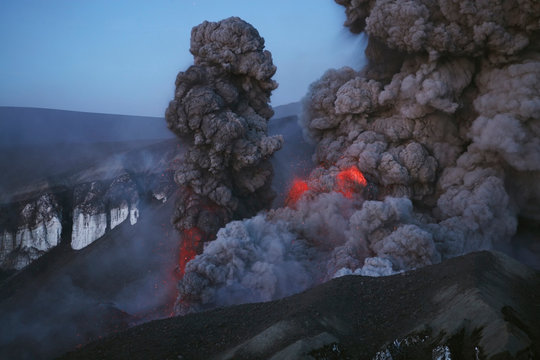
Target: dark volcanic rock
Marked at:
482, 305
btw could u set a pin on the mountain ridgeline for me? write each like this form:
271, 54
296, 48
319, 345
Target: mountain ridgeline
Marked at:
35, 126
72, 176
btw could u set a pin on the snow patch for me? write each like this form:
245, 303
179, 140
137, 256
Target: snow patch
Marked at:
119, 215
133, 214
29, 243
87, 228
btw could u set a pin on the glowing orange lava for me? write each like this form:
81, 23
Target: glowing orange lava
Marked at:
298, 188
350, 181
191, 242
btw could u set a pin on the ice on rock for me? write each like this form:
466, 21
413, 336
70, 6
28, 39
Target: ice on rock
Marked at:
118, 215
87, 228
94, 201
38, 230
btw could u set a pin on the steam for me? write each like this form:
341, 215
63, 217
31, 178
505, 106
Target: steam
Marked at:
444, 125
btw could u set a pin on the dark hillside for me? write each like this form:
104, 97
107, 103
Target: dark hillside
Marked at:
481, 304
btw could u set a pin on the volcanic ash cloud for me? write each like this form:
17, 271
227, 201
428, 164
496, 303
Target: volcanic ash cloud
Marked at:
429, 152
221, 109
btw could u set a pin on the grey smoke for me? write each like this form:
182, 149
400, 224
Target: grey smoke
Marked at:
221, 107
444, 124
251, 260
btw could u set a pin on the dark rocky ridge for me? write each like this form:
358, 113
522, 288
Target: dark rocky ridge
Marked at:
482, 304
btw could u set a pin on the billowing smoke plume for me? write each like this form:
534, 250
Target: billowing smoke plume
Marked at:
431, 151
221, 107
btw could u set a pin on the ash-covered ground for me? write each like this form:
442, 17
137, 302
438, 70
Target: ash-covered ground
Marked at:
478, 306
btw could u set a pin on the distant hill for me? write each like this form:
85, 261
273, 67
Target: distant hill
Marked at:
286, 110
34, 126
39, 143
37, 126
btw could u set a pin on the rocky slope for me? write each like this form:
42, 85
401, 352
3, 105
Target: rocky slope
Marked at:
80, 206
75, 285
68, 297
37, 229
78, 192
479, 306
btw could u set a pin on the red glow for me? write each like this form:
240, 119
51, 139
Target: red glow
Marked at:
298, 188
350, 181
191, 242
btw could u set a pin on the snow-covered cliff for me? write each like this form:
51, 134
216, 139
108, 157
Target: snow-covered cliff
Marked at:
37, 229
100, 207
81, 207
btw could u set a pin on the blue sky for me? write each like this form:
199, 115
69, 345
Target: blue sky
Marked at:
122, 56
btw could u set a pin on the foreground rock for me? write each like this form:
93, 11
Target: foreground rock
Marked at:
479, 306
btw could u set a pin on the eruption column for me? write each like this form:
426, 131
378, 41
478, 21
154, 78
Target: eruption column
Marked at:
220, 108
429, 152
